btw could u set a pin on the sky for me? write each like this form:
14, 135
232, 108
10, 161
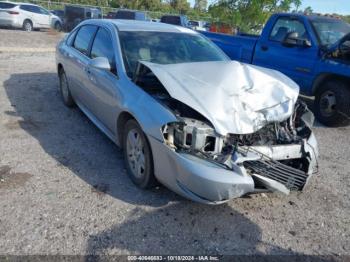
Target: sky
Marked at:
320, 6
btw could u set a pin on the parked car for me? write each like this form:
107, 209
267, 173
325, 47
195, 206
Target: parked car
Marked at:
27, 16
198, 25
180, 20
74, 14
128, 14
311, 50
59, 13
208, 128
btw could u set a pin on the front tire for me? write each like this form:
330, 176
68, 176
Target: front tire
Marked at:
58, 27
138, 156
64, 90
332, 103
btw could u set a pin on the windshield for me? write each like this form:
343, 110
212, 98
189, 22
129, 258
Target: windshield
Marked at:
166, 48
330, 31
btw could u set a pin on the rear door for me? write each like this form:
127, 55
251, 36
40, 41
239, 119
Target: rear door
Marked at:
297, 62
36, 15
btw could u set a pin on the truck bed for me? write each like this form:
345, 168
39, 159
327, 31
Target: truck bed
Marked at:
238, 47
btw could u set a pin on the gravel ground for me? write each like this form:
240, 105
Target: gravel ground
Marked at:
64, 188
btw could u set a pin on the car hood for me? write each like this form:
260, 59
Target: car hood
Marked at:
236, 98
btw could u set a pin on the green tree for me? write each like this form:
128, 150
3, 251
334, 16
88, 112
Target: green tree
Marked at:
308, 10
181, 6
249, 15
200, 5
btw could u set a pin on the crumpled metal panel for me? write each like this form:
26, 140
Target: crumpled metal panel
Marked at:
236, 98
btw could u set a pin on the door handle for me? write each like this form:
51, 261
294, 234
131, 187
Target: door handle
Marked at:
264, 48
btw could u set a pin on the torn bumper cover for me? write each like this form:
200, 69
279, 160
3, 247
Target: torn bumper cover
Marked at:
211, 183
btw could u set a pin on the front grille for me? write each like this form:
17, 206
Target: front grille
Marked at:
292, 178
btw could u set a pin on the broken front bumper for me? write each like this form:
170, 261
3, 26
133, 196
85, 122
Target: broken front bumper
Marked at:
211, 183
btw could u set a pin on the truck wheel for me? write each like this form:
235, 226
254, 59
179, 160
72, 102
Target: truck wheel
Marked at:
27, 26
332, 103
138, 156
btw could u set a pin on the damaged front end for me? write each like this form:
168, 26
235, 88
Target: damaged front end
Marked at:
279, 157
211, 167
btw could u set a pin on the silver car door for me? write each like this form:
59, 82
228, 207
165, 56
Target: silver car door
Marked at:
103, 84
78, 61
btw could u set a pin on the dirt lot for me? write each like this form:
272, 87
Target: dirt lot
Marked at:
64, 189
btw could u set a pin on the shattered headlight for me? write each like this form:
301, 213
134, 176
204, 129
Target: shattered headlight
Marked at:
194, 135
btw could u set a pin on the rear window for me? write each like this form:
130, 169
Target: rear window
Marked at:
83, 38
173, 20
6, 5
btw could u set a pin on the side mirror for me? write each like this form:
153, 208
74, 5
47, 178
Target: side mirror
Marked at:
344, 47
100, 63
292, 39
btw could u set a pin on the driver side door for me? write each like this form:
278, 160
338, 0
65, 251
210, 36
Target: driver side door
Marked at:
103, 85
297, 62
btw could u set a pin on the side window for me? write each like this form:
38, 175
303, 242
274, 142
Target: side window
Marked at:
43, 11
287, 25
103, 47
26, 8
35, 9
83, 38
4, 5
71, 37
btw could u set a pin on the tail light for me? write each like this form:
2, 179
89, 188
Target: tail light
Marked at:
13, 12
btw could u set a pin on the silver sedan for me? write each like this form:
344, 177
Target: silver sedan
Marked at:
206, 127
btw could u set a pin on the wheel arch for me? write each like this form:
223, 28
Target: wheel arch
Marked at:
325, 77
29, 20
121, 121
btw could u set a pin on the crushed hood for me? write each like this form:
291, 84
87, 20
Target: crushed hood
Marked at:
236, 98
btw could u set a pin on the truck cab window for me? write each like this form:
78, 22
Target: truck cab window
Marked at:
285, 25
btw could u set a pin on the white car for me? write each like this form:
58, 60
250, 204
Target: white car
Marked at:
27, 16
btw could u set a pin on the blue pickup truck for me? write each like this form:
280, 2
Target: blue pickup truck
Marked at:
313, 50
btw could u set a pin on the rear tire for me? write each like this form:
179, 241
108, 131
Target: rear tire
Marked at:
332, 103
138, 156
27, 26
64, 90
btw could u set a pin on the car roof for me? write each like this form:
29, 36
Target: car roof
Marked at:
17, 3
309, 16
136, 25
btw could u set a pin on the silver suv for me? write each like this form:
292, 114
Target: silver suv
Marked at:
27, 16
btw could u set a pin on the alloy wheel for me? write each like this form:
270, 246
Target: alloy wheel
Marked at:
135, 153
